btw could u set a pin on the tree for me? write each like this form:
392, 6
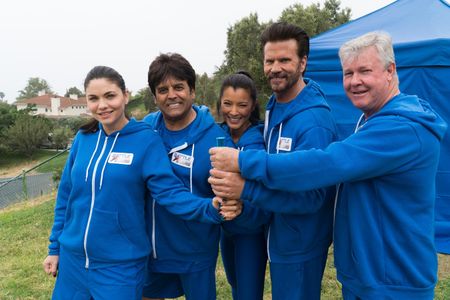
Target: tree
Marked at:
8, 115
206, 91
61, 137
314, 19
243, 38
2, 95
34, 86
73, 91
143, 97
27, 133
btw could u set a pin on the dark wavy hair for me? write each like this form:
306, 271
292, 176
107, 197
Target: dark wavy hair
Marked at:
242, 80
99, 72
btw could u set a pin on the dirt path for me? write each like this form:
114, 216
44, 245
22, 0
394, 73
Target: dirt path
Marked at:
16, 170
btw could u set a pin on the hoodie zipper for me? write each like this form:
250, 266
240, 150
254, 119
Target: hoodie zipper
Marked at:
92, 201
178, 148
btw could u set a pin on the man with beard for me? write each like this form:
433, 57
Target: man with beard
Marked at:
297, 118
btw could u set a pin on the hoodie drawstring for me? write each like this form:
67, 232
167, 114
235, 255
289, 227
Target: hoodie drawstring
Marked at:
106, 160
92, 156
192, 168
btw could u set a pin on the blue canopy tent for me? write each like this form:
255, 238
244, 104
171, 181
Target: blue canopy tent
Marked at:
420, 30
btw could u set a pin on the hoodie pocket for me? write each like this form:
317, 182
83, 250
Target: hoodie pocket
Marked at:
107, 240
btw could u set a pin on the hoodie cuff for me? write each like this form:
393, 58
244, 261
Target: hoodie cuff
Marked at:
213, 214
252, 163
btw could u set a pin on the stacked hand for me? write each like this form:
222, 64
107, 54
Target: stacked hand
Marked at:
225, 181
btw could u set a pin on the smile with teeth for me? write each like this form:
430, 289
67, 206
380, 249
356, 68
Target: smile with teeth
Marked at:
105, 114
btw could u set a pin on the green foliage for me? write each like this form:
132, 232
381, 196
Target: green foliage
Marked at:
73, 91
61, 137
33, 87
141, 104
73, 123
314, 19
207, 91
27, 133
8, 114
2, 95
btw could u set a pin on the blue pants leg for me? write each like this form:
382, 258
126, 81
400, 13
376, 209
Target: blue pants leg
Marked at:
120, 281
298, 280
245, 259
200, 285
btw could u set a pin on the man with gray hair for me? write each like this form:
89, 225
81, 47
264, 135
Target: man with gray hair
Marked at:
384, 214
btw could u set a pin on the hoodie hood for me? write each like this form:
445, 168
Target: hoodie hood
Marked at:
417, 110
310, 97
131, 127
202, 122
251, 139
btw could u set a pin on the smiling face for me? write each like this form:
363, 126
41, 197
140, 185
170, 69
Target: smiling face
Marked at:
236, 106
174, 99
367, 82
283, 68
106, 102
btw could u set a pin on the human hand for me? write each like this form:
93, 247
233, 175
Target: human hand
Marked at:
50, 264
224, 158
227, 185
228, 209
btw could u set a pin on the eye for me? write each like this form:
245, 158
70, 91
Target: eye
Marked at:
268, 61
92, 98
161, 90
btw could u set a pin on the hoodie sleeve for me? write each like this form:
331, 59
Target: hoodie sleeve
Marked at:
380, 147
168, 190
252, 216
65, 186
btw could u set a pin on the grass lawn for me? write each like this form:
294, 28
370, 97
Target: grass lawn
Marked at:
12, 164
23, 238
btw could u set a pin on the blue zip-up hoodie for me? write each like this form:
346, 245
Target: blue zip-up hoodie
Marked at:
186, 246
99, 212
384, 244
301, 225
254, 217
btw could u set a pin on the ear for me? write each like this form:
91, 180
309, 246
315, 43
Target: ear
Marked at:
303, 62
126, 97
391, 69
193, 93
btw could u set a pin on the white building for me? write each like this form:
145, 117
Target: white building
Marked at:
55, 106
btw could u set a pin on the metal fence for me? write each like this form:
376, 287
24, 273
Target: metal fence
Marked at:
27, 186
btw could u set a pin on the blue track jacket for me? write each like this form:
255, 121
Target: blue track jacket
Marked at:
301, 224
99, 211
254, 217
383, 237
181, 246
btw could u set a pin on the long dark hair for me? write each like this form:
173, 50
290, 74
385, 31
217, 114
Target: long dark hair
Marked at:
242, 80
99, 72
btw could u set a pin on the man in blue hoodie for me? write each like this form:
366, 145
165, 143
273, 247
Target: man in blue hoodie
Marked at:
383, 236
297, 118
184, 253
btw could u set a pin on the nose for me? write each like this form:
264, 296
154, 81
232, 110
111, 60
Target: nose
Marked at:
355, 80
276, 67
171, 93
102, 103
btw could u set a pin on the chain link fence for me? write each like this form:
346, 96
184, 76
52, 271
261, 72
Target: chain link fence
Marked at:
27, 186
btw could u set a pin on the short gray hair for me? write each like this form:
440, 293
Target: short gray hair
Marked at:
382, 42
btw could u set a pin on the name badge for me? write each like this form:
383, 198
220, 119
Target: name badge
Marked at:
284, 143
120, 158
182, 159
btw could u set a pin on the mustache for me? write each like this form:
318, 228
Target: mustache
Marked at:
276, 75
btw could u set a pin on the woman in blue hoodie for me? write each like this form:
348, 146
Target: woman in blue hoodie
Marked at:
243, 247
97, 242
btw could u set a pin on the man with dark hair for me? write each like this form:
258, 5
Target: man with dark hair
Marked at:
297, 118
184, 253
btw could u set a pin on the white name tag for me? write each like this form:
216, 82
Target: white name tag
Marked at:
120, 158
182, 159
284, 144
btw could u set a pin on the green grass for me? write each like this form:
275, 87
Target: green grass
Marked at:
55, 164
11, 159
23, 245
